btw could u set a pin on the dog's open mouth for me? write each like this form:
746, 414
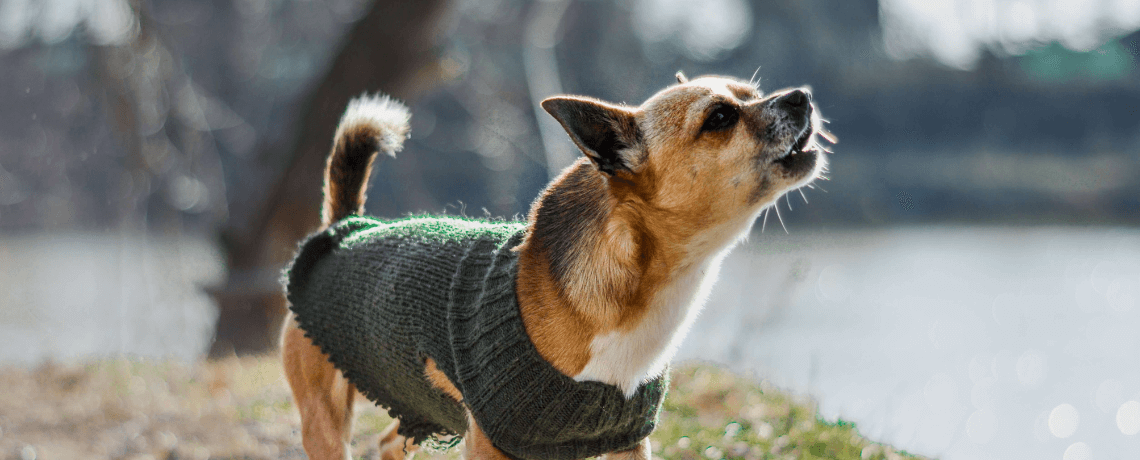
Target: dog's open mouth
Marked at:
801, 154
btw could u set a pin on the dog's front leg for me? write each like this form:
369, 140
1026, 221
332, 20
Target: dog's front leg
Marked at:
639, 452
323, 396
476, 444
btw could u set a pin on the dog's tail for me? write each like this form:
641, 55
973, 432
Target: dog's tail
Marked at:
370, 124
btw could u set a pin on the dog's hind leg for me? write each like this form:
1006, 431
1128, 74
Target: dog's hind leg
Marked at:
639, 452
476, 445
396, 447
322, 395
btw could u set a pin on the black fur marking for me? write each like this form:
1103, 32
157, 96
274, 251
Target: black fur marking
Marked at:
608, 159
763, 187
721, 117
568, 215
348, 170
604, 133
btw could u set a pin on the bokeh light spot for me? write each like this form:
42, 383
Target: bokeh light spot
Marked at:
1063, 421
981, 426
834, 283
703, 30
1078, 451
1128, 418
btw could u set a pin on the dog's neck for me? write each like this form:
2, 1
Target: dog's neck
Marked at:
608, 284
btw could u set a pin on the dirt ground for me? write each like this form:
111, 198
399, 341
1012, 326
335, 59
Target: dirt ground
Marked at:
127, 409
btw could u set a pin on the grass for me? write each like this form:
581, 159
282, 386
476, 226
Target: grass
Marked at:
714, 414
240, 409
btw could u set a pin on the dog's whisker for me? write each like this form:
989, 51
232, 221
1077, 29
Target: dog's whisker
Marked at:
779, 217
764, 225
801, 190
827, 135
789, 200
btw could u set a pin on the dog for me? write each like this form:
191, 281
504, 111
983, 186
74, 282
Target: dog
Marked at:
608, 272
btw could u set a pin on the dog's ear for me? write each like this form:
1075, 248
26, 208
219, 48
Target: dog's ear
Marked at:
606, 133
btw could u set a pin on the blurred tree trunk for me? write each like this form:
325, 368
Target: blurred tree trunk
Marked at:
392, 49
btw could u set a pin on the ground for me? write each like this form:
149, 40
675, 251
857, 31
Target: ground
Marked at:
240, 409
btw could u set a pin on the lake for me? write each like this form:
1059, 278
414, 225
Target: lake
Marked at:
961, 343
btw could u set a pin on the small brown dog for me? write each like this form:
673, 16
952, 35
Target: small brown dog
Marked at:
618, 253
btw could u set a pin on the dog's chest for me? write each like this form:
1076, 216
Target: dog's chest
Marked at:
628, 358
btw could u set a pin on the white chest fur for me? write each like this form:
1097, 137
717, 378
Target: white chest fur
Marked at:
628, 358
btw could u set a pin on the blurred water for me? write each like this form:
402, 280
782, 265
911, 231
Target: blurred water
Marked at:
961, 343
73, 295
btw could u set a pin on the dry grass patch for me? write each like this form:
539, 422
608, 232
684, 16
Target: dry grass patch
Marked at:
240, 409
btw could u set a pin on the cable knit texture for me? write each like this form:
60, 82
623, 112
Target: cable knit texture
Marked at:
381, 297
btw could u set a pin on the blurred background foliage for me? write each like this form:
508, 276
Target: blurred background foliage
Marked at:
211, 118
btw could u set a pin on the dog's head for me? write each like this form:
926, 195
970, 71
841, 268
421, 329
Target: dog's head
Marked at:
709, 150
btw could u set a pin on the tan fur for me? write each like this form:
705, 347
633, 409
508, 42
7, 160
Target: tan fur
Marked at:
476, 444
440, 380
685, 200
321, 393
657, 204
396, 447
641, 452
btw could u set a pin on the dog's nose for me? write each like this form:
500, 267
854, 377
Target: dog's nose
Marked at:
796, 101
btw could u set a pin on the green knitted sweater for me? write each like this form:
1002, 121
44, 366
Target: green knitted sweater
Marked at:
381, 297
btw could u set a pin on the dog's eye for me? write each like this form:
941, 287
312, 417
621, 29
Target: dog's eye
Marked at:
723, 116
